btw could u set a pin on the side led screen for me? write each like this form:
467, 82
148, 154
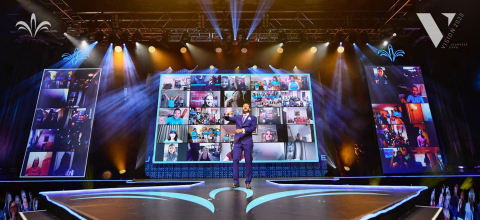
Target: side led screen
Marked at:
60, 134
404, 126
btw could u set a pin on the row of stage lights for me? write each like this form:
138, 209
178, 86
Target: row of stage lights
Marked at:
185, 39
151, 49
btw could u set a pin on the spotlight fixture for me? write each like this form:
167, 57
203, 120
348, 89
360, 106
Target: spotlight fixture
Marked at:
394, 34
244, 50
185, 38
151, 49
313, 49
279, 50
352, 38
211, 66
254, 66
164, 38
244, 42
137, 36
385, 43
364, 37
113, 38
218, 49
122, 171
340, 49
303, 38
183, 50
124, 36
282, 37
118, 49
83, 36
84, 43
339, 37
99, 36
326, 44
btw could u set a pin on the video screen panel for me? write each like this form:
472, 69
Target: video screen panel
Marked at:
59, 139
191, 125
404, 126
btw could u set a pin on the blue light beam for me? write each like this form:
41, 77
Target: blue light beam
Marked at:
206, 6
236, 12
262, 9
131, 76
107, 71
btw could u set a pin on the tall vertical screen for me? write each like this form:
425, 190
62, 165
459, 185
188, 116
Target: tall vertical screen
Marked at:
60, 134
405, 131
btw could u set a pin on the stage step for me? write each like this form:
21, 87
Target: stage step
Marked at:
424, 213
38, 215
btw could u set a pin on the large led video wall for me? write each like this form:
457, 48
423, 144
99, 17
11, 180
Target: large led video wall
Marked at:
60, 134
191, 128
405, 131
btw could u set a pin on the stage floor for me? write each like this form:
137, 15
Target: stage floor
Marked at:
212, 199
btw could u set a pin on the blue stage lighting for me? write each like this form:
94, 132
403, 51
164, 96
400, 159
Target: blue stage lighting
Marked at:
129, 69
235, 12
107, 71
262, 9
206, 6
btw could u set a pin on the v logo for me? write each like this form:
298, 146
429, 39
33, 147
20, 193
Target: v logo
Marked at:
432, 28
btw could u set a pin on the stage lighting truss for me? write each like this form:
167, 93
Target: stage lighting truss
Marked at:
192, 35
310, 23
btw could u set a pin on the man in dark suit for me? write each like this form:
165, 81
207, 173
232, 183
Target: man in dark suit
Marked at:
246, 124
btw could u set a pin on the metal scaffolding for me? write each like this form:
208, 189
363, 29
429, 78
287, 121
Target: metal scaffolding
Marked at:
298, 25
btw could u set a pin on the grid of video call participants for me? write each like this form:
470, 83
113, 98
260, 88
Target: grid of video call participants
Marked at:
60, 134
405, 131
191, 125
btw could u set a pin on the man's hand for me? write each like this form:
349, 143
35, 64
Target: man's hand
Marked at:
230, 112
239, 131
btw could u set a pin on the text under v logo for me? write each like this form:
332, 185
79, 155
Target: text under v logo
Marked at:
432, 28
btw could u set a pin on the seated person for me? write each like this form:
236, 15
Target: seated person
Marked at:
225, 83
208, 101
398, 162
205, 155
229, 156
171, 155
270, 120
176, 119
172, 137
415, 97
268, 137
